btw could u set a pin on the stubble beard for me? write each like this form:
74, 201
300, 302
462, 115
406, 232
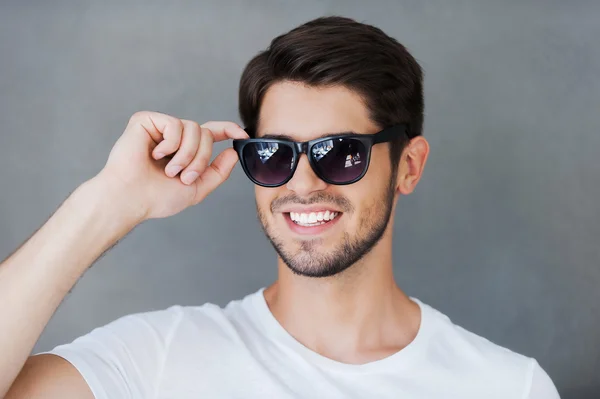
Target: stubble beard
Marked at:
309, 261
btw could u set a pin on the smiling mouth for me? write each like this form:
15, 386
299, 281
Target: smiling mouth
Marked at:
313, 218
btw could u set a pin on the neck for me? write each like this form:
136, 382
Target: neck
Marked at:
358, 316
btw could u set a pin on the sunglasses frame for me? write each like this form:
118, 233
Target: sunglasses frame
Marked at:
298, 148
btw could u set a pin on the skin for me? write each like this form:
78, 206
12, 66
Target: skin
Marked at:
358, 315
355, 316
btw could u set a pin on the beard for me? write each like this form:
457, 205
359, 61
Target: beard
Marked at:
308, 261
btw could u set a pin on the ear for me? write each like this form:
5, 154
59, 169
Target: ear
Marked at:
411, 165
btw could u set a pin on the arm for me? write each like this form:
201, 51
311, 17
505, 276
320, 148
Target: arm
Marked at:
35, 279
145, 177
49, 376
122, 359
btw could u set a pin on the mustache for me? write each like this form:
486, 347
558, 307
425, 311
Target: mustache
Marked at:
341, 202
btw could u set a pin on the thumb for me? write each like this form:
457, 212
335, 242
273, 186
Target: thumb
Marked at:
215, 174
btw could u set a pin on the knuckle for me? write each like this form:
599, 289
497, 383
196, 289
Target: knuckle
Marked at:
207, 134
176, 122
139, 115
192, 125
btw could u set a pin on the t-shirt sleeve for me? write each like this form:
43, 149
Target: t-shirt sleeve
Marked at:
125, 358
542, 386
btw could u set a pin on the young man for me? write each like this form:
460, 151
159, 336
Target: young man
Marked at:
335, 109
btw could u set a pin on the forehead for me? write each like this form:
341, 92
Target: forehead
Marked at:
304, 112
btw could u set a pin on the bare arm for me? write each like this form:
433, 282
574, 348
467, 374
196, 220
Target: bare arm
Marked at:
137, 183
49, 377
35, 279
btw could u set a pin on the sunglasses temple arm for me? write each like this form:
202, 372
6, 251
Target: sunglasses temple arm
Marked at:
391, 133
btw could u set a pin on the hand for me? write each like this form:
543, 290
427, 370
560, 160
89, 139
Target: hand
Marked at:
160, 165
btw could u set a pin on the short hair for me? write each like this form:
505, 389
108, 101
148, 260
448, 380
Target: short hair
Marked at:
331, 51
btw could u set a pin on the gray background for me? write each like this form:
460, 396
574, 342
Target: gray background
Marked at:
501, 234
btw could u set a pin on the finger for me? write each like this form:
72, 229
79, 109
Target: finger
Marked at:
171, 142
190, 139
216, 173
223, 130
200, 162
160, 127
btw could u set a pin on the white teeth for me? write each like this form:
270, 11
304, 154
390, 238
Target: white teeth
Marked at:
312, 218
310, 224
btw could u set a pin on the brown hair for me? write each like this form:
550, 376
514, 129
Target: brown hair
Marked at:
334, 50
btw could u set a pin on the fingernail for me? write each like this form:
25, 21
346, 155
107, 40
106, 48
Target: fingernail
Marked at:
172, 170
159, 155
189, 177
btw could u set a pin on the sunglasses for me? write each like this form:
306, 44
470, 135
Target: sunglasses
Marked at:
340, 159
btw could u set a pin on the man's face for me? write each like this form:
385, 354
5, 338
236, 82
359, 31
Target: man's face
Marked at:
358, 213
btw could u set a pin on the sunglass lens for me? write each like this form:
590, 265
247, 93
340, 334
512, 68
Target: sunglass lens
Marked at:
340, 160
268, 162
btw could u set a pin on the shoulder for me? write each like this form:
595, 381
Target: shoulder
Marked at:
153, 333
208, 318
477, 358
466, 347
130, 355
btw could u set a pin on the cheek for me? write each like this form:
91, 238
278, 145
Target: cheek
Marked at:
263, 200
368, 195
375, 181
380, 166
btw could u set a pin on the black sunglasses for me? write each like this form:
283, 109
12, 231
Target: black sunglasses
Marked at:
339, 159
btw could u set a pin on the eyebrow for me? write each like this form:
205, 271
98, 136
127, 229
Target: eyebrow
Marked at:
289, 138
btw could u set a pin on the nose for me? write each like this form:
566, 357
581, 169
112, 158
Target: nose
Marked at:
305, 181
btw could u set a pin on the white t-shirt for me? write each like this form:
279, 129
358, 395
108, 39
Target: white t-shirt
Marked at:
241, 351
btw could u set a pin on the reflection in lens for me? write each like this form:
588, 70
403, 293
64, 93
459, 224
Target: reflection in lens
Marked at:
266, 150
321, 149
340, 160
268, 162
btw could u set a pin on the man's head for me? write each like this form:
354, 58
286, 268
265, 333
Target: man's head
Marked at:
329, 76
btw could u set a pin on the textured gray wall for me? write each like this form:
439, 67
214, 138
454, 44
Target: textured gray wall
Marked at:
502, 233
